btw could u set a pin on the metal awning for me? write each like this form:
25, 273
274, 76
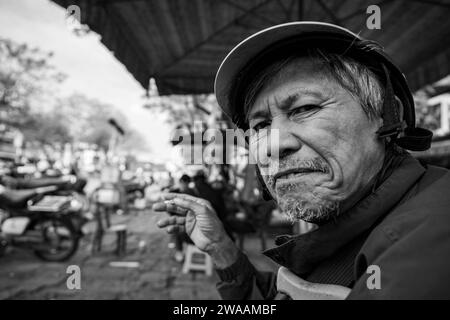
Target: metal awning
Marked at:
180, 43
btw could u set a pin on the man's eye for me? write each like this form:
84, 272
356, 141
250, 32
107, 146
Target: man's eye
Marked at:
304, 110
261, 125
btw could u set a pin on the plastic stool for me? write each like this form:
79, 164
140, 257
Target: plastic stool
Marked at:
121, 232
196, 260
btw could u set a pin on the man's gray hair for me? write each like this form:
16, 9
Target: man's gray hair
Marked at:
361, 82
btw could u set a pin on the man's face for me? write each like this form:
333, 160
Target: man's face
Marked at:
327, 148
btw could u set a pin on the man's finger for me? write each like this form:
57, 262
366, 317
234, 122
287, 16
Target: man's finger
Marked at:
173, 220
159, 206
172, 195
178, 206
170, 207
187, 197
191, 205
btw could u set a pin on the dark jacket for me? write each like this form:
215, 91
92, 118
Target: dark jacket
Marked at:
403, 227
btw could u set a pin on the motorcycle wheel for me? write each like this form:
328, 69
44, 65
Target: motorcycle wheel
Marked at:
59, 238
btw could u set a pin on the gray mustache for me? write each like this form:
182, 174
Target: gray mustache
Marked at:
315, 164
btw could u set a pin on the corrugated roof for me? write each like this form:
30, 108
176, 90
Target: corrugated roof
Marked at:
181, 43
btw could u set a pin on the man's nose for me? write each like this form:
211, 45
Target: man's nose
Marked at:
282, 142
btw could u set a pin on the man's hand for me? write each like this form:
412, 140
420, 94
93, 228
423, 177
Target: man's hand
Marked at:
198, 219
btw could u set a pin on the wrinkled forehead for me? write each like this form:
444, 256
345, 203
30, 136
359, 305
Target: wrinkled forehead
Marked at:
307, 75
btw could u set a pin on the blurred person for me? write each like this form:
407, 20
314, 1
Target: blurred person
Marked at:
345, 118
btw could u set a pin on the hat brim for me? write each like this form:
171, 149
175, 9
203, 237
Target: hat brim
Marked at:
246, 50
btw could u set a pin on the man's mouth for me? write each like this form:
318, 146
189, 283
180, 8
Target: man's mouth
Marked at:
294, 173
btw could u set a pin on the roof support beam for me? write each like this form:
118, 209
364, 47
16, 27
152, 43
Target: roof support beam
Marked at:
330, 13
262, 17
215, 34
287, 11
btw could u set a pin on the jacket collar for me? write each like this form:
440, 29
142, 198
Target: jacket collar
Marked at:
302, 253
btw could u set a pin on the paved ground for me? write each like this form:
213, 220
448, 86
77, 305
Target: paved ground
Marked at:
23, 276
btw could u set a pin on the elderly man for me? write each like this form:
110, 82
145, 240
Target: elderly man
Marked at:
344, 118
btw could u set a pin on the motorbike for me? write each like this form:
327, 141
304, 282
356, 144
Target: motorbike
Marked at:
69, 186
37, 219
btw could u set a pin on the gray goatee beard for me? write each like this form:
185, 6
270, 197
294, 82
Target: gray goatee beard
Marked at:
291, 197
296, 209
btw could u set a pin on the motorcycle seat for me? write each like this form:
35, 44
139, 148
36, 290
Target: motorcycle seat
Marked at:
17, 198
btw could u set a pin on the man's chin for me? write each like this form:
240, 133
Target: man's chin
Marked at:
300, 209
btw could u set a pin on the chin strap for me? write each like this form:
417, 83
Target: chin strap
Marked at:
412, 138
